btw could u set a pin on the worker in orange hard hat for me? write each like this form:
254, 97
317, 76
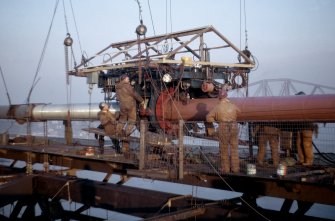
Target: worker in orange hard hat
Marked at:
225, 113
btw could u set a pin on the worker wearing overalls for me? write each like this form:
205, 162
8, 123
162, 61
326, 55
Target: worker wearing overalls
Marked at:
225, 113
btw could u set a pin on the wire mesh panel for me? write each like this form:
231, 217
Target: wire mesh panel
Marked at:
266, 149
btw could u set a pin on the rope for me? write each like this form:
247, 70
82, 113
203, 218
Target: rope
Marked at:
231, 188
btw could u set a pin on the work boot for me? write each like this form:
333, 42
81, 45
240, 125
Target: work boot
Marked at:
101, 149
101, 144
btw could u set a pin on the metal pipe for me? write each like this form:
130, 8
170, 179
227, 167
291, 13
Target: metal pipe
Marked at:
43, 112
306, 108
310, 108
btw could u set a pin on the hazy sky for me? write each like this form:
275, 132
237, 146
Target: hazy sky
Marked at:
291, 39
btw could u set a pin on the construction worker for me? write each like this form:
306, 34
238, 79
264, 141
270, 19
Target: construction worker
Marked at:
225, 113
305, 142
127, 97
286, 138
267, 133
108, 123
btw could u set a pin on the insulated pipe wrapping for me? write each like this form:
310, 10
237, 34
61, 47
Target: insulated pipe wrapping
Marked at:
298, 108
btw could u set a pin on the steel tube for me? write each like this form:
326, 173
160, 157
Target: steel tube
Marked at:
311, 108
306, 108
43, 112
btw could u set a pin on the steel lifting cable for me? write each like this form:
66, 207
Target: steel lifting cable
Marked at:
9, 101
171, 48
35, 80
139, 9
245, 26
66, 55
231, 188
67, 31
152, 21
75, 24
4, 82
